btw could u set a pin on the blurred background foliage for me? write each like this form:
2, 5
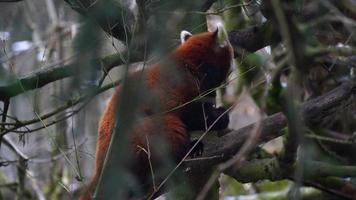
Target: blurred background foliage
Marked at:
58, 65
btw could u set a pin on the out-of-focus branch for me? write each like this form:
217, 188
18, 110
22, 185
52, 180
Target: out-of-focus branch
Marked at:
334, 185
336, 50
45, 76
207, 4
7, 1
293, 41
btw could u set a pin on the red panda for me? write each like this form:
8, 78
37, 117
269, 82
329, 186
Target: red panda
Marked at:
200, 63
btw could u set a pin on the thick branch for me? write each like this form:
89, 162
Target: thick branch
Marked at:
316, 174
221, 149
270, 168
313, 112
254, 38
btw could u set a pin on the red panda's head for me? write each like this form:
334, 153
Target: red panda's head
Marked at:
208, 55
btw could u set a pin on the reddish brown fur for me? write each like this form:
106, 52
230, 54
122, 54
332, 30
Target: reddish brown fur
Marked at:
176, 81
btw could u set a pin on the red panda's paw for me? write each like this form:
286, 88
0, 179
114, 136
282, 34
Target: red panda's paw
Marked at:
218, 118
198, 149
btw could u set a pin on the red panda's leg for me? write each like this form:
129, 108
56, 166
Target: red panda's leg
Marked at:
217, 116
177, 135
200, 117
203, 115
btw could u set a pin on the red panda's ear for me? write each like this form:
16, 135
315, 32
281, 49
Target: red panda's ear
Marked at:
184, 36
220, 35
216, 32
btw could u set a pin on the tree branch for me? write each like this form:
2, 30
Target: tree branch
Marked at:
45, 76
313, 112
114, 17
255, 37
316, 174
